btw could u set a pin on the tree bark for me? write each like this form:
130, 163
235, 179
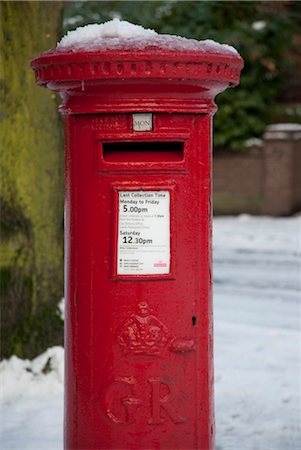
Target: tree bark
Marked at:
31, 198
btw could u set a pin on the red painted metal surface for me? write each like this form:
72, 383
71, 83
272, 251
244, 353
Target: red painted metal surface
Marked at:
139, 358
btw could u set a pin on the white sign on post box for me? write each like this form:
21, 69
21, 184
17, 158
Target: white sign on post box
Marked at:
143, 233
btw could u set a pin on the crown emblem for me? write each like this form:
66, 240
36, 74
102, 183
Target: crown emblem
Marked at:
143, 333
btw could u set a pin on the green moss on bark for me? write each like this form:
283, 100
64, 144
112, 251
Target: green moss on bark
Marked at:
31, 203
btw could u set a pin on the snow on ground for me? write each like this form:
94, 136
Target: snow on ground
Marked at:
32, 402
257, 348
257, 276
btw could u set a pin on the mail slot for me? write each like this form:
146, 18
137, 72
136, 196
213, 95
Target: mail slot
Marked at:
143, 151
138, 339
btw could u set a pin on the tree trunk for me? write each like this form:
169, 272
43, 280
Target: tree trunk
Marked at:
31, 200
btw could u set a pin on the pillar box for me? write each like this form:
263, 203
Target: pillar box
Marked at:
138, 339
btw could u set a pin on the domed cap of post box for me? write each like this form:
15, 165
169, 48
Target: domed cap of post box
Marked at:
118, 66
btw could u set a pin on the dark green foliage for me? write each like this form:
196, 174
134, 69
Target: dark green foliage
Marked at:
47, 368
261, 32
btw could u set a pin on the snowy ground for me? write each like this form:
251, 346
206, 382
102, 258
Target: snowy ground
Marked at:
257, 348
257, 280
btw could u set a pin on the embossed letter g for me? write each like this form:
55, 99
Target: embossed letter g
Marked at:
119, 401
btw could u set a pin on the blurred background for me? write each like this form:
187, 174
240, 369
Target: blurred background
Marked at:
256, 171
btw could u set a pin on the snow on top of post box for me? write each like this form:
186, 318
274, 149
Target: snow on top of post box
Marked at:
122, 35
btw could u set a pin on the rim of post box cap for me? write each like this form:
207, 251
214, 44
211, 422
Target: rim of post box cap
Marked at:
150, 80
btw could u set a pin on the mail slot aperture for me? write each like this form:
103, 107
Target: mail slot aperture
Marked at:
143, 151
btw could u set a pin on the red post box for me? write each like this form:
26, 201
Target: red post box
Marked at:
139, 369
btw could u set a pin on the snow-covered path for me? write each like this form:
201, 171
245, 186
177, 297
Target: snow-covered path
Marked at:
257, 333
257, 275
